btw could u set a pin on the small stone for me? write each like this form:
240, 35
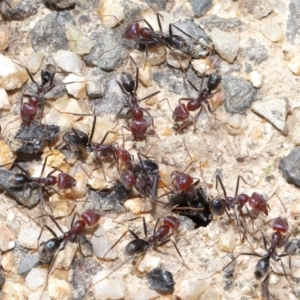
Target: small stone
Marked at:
77, 90
226, 44
36, 278
59, 289
237, 124
28, 237
225, 24
227, 240
148, 262
27, 263
68, 61
255, 51
2, 279
4, 237
59, 5
65, 257
18, 9
200, 7
112, 287
7, 261
96, 82
69, 105
163, 5
6, 155
259, 8
290, 167
156, 55
256, 79
13, 290
202, 66
35, 61
12, 76
61, 206
146, 74
178, 60
275, 111
192, 285
160, 280
272, 31
4, 37
293, 22
137, 206
294, 65
239, 94
109, 8
101, 244
79, 43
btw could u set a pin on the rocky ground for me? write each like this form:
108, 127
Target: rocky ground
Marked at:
253, 131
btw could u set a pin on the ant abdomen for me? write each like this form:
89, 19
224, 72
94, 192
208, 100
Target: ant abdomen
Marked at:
135, 247
127, 82
262, 268
217, 206
48, 249
213, 81
17, 180
77, 139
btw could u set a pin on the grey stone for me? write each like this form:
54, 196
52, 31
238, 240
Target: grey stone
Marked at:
49, 33
18, 9
160, 280
157, 5
59, 5
2, 279
239, 94
212, 21
258, 8
200, 7
132, 11
256, 51
109, 55
27, 263
293, 22
290, 167
96, 82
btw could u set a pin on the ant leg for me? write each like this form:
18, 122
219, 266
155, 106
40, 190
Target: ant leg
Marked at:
93, 130
149, 96
185, 99
194, 87
53, 220
275, 194
218, 179
49, 229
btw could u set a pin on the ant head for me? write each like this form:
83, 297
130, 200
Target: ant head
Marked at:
76, 138
181, 181
47, 74
213, 81
262, 267
132, 31
217, 206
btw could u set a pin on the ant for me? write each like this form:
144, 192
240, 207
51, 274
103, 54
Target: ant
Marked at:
161, 236
138, 126
29, 110
181, 112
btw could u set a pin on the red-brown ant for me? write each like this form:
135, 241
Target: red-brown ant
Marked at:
138, 126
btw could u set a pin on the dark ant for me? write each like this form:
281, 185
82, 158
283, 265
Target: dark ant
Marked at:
181, 112
160, 237
138, 126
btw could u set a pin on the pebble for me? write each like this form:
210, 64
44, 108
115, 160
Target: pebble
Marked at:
6, 154
77, 90
226, 44
138, 205
156, 55
275, 111
293, 24
96, 83
272, 31
4, 237
294, 64
200, 7
191, 287
27, 263
145, 294
109, 8
67, 105
36, 278
259, 8
157, 5
290, 166
4, 37
14, 290
239, 94
28, 237
7, 261
237, 124
149, 262
146, 74
61, 206
256, 79
65, 257
101, 244
254, 51
48, 33
68, 61
12, 76
59, 289
202, 66
178, 60
79, 42
35, 61
160, 280
227, 240
19, 9
225, 24
112, 287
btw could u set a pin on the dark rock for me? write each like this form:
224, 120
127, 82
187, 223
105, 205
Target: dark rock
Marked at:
105, 202
27, 197
49, 32
109, 55
83, 270
27, 263
2, 279
256, 51
121, 192
228, 272
161, 281
157, 5
200, 7
239, 94
212, 21
59, 4
290, 167
34, 136
258, 8
18, 9
292, 247
293, 22
97, 80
